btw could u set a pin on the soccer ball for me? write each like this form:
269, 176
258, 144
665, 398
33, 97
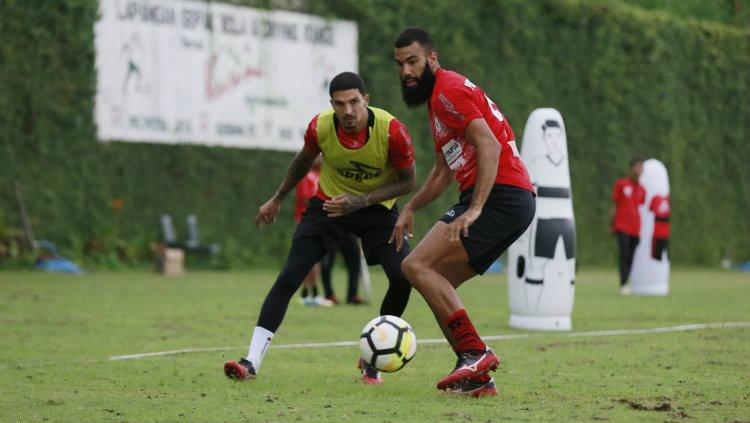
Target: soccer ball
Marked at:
387, 343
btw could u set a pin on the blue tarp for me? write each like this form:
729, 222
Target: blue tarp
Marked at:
57, 265
496, 267
53, 262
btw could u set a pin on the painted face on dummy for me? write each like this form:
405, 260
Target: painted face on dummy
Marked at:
350, 107
416, 67
553, 140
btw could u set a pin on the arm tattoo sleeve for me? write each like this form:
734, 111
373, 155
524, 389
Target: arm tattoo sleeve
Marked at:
299, 167
407, 180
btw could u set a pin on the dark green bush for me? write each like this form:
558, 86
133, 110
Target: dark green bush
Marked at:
629, 82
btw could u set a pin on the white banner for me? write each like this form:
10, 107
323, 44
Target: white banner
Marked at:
193, 72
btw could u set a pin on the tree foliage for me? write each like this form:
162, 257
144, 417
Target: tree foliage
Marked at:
629, 82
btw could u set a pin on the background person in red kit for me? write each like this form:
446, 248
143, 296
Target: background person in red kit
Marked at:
627, 195
350, 250
660, 240
306, 189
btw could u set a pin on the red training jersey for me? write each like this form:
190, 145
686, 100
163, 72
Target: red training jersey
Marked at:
306, 188
627, 195
660, 207
455, 102
400, 148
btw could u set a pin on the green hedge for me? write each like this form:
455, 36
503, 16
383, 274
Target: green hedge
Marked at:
629, 82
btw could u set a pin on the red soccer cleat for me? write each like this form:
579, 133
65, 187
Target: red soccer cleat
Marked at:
470, 366
355, 300
242, 370
370, 375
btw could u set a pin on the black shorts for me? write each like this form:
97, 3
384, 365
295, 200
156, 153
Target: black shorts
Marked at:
659, 246
373, 225
507, 213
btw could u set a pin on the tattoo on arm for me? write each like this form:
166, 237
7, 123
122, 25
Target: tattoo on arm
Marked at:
299, 167
407, 180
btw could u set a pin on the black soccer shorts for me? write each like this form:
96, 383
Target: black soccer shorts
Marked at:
507, 213
373, 225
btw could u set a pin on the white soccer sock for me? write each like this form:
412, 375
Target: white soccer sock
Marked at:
258, 346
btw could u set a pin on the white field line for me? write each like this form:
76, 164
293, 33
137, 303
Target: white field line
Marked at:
666, 329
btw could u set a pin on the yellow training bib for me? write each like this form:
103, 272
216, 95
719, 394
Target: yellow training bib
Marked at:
359, 171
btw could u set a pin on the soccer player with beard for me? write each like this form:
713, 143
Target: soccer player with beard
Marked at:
475, 145
368, 162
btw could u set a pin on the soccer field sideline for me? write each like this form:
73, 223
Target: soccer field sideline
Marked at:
619, 332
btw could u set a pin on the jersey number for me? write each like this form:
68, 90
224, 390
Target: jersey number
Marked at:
494, 109
496, 112
514, 148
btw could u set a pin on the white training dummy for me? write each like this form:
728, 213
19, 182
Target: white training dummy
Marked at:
541, 263
650, 272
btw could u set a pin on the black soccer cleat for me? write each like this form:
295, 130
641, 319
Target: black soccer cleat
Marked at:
241, 370
479, 386
470, 366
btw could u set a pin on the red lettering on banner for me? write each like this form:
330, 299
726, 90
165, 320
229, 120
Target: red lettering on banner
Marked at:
216, 88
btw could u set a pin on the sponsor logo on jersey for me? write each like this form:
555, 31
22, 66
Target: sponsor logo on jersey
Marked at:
359, 172
452, 152
662, 206
405, 136
437, 124
449, 107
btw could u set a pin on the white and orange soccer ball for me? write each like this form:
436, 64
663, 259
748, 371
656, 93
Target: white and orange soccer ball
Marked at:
387, 343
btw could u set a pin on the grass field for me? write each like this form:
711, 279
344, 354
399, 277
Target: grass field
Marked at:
57, 333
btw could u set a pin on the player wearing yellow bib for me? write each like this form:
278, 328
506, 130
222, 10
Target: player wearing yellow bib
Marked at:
368, 162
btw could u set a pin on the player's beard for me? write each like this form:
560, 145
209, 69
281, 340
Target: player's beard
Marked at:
417, 95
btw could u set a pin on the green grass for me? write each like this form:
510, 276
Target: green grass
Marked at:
57, 332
